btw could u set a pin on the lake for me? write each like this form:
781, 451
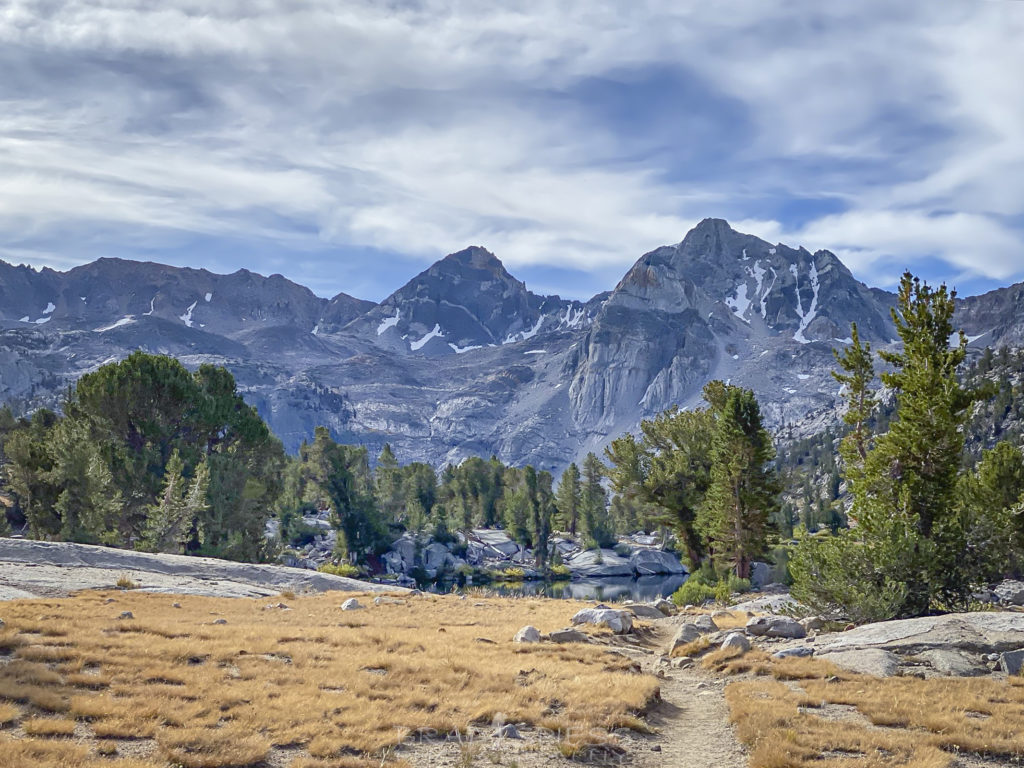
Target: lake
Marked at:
643, 589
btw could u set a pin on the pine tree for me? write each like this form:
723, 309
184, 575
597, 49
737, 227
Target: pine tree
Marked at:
596, 523
668, 471
172, 522
542, 506
569, 498
910, 547
88, 503
390, 494
743, 495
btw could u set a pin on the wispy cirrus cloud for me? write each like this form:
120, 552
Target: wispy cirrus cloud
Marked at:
343, 145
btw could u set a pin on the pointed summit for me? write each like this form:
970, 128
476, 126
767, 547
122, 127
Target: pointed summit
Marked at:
476, 258
465, 301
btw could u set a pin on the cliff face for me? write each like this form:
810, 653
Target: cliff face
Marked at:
465, 360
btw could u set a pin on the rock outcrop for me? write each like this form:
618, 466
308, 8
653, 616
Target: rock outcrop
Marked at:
41, 568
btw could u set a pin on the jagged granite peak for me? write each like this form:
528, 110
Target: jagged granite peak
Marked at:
112, 293
340, 311
465, 302
813, 297
464, 360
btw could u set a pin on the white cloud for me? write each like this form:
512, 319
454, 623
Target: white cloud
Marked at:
424, 127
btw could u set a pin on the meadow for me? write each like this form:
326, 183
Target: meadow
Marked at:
127, 679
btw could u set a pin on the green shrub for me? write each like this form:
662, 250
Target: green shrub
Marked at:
693, 592
725, 589
341, 569
559, 572
705, 584
510, 574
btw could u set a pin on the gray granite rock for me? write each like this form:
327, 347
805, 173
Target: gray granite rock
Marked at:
568, 636
736, 640
618, 622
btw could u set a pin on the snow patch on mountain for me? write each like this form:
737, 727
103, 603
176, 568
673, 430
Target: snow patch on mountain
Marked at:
126, 320
740, 303
436, 332
388, 322
49, 308
187, 317
512, 338
462, 350
151, 303
207, 297
812, 310
572, 317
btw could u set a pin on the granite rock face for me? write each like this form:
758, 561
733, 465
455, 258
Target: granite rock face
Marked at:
464, 359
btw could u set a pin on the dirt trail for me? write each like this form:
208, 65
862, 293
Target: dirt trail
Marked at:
692, 721
693, 724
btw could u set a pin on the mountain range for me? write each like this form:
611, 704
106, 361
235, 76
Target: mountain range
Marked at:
464, 359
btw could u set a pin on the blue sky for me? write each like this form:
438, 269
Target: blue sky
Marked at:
349, 145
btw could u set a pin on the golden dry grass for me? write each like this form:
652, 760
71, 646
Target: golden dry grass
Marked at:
48, 726
814, 714
330, 685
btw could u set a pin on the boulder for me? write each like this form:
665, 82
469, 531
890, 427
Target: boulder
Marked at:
527, 634
949, 662
496, 543
406, 549
736, 640
393, 562
812, 623
775, 603
1010, 592
644, 539
800, 651
867, 661
665, 606
1011, 661
351, 605
618, 622
775, 626
982, 632
507, 731
653, 562
435, 556
705, 624
568, 636
760, 575
644, 611
599, 563
686, 634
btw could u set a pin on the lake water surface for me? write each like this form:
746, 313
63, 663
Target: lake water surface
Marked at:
644, 589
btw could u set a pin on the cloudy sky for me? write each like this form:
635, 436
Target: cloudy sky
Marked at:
348, 145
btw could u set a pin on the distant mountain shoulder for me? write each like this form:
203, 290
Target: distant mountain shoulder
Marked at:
464, 359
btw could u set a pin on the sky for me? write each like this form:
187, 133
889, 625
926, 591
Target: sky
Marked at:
349, 145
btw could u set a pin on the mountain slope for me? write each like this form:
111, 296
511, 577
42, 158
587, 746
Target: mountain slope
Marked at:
464, 359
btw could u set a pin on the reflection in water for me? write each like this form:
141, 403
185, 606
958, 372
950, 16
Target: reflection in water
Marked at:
643, 589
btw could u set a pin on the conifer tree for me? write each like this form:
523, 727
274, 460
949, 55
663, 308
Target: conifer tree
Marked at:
910, 547
743, 494
388, 488
596, 523
569, 498
173, 520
